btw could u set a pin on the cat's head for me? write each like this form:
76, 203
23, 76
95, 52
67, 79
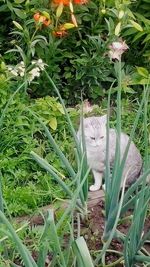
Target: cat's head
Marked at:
94, 130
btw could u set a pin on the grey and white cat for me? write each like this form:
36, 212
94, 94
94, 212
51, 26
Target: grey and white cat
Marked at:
95, 140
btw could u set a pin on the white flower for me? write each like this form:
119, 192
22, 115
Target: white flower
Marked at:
117, 49
21, 73
14, 72
35, 72
39, 63
19, 69
33, 62
22, 64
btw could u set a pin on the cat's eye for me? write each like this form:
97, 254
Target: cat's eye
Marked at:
93, 138
101, 137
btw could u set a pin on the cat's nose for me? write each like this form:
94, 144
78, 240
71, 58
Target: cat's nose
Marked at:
98, 142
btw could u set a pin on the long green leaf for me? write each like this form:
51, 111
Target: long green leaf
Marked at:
54, 240
55, 146
107, 161
110, 235
44, 164
74, 200
134, 240
112, 196
25, 254
43, 247
82, 253
84, 191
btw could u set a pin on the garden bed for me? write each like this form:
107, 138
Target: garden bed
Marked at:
91, 229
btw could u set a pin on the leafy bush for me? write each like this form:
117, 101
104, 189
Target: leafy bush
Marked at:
21, 134
76, 61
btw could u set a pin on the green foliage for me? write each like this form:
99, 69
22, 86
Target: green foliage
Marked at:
19, 173
78, 177
25, 186
78, 62
49, 108
50, 238
116, 205
46, 244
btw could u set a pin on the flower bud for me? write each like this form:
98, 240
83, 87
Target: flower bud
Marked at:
103, 11
121, 14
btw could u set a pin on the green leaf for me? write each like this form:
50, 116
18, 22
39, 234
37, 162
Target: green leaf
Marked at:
143, 71
20, 13
50, 169
136, 25
53, 123
68, 26
138, 36
82, 253
19, 1
56, 147
129, 32
10, 6
3, 8
25, 254
147, 38
128, 89
46, 14
3, 66
117, 29
59, 10
60, 108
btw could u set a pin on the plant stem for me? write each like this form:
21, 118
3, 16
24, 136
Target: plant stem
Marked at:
142, 258
114, 263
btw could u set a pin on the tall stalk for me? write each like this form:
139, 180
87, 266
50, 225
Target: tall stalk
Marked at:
136, 238
113, 190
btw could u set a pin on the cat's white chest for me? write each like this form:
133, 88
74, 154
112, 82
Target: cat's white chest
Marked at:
96, 158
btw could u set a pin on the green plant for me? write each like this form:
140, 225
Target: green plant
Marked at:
82, 170
49, 108
77, 188
20, 134
133, 248
114, 204
49, 244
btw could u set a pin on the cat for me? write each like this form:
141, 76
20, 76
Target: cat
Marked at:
95, 141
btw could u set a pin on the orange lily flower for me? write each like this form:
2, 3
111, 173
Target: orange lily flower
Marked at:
61, 32
36, 16
80, 2
64, 2
41, 19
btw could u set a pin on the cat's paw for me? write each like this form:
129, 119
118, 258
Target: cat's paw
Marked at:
94, 188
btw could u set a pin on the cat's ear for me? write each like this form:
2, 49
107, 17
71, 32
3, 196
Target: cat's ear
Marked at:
103, 119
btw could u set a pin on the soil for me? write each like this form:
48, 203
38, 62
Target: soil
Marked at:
92, 230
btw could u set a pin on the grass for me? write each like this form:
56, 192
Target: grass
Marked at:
21, 174
72, 177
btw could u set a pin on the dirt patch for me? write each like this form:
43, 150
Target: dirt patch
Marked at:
93, 227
